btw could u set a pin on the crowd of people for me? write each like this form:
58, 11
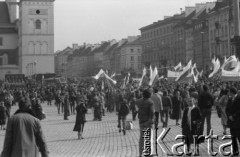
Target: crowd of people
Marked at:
190, 105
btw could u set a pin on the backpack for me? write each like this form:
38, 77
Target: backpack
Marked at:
124, 109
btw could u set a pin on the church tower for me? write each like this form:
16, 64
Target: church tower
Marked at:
36, 36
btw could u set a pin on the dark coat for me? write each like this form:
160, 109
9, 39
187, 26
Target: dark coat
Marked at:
166, 102
124, 108
145, 110
205, 101
195, 128
24, 136
3, 115
80, 117
176, 108
233, 109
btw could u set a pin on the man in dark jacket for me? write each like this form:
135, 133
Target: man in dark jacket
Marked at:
167, 106
205, 103
233, 114
145, 115
122, 114
24, 136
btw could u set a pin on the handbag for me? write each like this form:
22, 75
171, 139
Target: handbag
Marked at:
128, 125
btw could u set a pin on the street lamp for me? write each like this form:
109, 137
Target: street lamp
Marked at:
202, 33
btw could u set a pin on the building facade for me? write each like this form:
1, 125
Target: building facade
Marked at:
31, 35
131, 55
158, 43
221, 29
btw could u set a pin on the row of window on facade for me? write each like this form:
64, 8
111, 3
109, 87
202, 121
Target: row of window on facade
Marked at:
133, 50
38, 48
157, 32
132, 58
222, 32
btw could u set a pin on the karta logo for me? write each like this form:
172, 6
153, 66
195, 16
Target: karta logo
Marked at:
149, 149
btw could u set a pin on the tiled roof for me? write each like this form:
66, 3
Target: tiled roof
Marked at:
12, 55
222, 4
135, 42
109, 51
4, 14
101, 48
184, 21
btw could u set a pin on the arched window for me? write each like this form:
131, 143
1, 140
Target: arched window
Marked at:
38, 24
38, 48
44, 48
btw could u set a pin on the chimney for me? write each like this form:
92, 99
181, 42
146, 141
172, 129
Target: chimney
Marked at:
75, 46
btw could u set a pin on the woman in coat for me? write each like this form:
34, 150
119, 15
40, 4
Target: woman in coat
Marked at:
80, 119
191, 122
176, 110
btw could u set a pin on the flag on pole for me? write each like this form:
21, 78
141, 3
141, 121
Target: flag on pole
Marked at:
109, 78
151, 71
113, 75
227, 65
178, 67
216, 67
128, 78
144, 73
185, 72
101, 72
154, 77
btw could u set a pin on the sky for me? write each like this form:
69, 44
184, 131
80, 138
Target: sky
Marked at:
93, 21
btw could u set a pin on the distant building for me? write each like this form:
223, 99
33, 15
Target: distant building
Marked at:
131, 55
158, 43
61, 61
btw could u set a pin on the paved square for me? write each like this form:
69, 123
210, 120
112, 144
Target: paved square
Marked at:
101, 138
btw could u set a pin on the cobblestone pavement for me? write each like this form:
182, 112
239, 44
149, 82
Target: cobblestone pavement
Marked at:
101, 138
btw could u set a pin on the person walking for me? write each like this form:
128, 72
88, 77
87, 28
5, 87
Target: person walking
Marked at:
233, 114
157, 101
80, 119
145, 116
24, 136
205, 104
123, 111
176, 107
167, 106
66, 104
191, 123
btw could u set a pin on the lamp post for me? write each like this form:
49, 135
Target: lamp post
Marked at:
202, 33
